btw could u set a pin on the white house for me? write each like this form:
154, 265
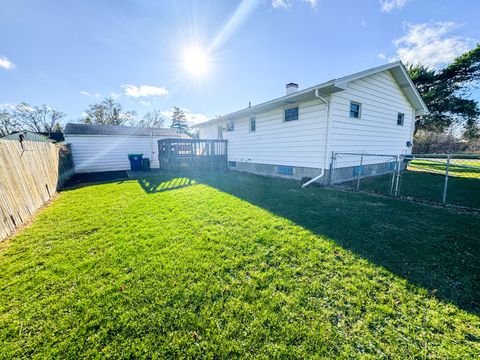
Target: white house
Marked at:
97, 148
372, 111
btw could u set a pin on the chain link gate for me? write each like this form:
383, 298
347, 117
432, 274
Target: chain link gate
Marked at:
362, 171
440, 178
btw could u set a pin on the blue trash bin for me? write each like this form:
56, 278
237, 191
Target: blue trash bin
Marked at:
135, 161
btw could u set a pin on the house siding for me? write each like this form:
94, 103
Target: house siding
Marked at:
275, 142
376, 131
96, 153
301, 144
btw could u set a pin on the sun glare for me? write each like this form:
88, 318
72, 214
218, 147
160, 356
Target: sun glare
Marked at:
195, 61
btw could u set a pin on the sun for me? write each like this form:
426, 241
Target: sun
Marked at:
196, 60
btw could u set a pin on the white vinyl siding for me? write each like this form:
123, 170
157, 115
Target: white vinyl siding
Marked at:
208, 132
276, 142
377, 130
301, 142
96, 153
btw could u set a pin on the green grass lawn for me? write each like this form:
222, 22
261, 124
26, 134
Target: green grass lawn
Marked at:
235, 265
468, 168
425, 180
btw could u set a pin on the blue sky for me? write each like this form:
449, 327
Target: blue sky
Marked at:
71, 53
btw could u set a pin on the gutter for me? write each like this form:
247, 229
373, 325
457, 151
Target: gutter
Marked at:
325, 140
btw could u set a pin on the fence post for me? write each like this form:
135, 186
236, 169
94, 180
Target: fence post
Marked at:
445, 186
392, 182
397, 184
330, 171
359, 172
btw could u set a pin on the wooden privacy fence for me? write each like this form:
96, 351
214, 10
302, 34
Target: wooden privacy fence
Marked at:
29, 176
192, 154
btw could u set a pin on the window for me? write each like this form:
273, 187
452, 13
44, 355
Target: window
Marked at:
291, 114
232, 164
400, 118
357, 170
355, 110
230, 125
285, 170
253, 124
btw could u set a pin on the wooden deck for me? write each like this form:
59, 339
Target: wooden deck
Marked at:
192, 154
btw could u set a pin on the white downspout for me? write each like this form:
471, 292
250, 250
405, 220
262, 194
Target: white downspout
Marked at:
325, 140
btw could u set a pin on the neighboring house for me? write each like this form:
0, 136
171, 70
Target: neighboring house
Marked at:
35, 136
97, 148
372, 111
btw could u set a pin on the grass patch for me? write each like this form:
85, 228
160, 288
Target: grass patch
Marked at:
468, 168
424, 185
236, 265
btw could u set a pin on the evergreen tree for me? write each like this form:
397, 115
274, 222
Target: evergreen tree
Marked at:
179, 121
447, 94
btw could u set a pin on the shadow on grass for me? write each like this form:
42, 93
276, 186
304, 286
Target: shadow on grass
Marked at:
436, 249
81, 180
150, 185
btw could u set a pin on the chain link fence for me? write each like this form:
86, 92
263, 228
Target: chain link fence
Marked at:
372, 172
440, 178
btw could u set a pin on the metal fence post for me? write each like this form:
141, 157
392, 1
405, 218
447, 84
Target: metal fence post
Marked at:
445, 186
392, 181
359, 172
397, 184
330, 171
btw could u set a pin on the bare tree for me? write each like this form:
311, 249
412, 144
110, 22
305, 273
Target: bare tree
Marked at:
108, 112
153, 119
37, 118
7, 123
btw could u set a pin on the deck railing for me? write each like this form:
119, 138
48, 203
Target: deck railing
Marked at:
192, 154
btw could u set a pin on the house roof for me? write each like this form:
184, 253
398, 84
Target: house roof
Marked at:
52, 137
90, 129
397, 69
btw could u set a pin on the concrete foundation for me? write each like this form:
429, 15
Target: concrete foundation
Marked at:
298, 172
339, 175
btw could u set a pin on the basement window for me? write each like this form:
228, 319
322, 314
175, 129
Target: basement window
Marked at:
253, 124
400, 118
355, 110
285, 170
291, 114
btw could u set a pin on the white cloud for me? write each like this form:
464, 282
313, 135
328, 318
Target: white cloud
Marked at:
143, 90
145, 103
196, 118
313, 3
6, 64
382, 56
283, 4
115, 95
92, 95
389, 5
192, 118
7, 106
431, 44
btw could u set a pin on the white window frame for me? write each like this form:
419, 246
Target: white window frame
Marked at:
291, 107
359, 110
403, 119
232, 122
